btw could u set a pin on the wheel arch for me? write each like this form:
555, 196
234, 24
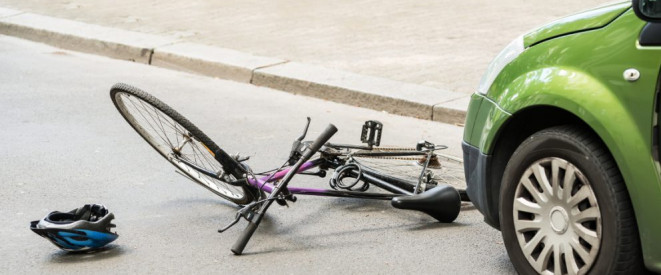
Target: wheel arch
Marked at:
515, 130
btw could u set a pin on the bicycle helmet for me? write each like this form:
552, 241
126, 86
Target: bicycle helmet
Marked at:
81, 229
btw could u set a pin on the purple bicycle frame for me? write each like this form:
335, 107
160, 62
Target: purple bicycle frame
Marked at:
265, 183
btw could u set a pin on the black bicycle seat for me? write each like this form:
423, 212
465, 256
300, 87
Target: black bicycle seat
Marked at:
442, 202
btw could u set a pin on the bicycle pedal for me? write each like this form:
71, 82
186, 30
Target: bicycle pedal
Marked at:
371, 133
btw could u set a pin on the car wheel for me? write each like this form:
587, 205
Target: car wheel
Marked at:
564, 208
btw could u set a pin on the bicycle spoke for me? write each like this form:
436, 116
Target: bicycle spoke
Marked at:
450, 172
136, 108
173, 137
157, 121
403, 169
204, 158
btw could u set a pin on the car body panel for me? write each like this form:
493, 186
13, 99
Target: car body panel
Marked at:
592, 19
582, 73
476, 168
483, 114
471, 114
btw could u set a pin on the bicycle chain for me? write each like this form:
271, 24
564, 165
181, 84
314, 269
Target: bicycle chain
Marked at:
393, 149
397, 158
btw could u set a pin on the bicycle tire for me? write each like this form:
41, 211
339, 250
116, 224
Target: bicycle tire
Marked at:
179, 139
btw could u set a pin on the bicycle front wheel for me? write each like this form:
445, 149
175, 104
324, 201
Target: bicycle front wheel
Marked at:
180, 142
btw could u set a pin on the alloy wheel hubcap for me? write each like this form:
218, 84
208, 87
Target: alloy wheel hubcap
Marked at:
557, 218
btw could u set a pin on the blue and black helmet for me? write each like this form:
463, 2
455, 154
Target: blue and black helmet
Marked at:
81, 229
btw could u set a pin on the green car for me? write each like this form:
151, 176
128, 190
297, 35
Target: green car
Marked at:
561, 144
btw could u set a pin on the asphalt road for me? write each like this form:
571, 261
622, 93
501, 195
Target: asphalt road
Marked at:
64, 145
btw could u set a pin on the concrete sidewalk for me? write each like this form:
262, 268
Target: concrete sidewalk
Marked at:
415, 59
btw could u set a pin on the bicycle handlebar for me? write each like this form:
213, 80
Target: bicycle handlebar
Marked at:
247, 233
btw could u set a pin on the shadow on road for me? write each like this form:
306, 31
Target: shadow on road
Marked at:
107, 252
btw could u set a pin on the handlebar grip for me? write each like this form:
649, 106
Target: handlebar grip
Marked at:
241, 243
320, 141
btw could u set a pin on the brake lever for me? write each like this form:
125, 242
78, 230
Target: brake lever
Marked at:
294, 155
245, 212
236, 220
305, 131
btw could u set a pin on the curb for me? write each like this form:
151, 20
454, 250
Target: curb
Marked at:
211, 61
76, 36
353, 89
339, 86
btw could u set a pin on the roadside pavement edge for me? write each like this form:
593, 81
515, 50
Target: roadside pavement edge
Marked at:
339, 86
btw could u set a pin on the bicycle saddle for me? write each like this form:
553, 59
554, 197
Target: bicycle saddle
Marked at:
442, 202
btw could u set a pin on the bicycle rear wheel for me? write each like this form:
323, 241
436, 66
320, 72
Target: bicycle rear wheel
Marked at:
181, 143
448, 170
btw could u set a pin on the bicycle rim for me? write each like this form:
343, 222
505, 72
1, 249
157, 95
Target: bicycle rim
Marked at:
176, 139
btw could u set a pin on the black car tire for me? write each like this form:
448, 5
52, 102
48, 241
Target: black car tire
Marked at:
581, 153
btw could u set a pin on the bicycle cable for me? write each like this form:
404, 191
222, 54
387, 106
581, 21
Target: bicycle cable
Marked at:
269, 171
272, 175
342, 172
